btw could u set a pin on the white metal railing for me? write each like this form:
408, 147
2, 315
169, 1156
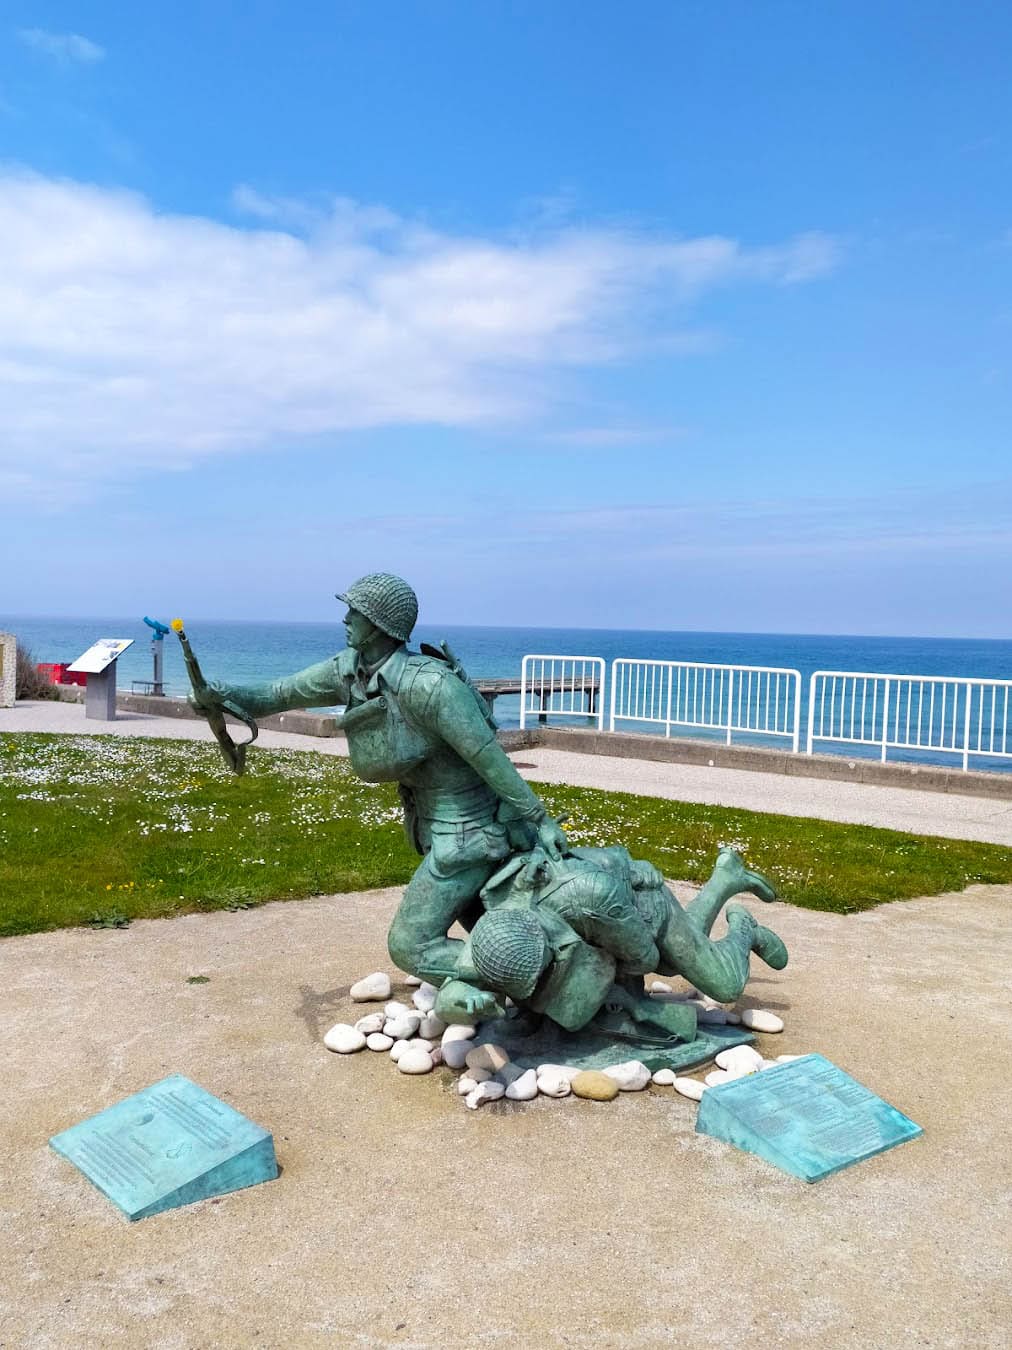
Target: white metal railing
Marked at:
757, 700
562, 686
942, 714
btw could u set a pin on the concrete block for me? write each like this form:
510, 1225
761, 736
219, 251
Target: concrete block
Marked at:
808, 1118
8, 669
166, 1146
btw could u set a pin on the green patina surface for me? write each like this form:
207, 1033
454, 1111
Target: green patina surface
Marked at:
595, 1050
594, 921
168, 1145
808, 1118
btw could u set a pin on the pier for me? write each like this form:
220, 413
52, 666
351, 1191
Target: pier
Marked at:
589, 687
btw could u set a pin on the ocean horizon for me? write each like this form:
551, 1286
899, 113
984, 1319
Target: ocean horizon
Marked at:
243, 650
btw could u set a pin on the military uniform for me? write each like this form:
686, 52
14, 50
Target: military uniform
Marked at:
605, 918
414, 720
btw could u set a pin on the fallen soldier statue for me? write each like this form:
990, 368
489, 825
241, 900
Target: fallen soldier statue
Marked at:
571, 939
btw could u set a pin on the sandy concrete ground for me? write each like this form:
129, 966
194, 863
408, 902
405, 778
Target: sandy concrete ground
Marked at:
402, 1219
948, 814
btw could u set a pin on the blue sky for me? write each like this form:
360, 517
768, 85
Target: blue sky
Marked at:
672, 315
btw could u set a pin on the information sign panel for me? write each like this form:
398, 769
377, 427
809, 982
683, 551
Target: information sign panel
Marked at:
166, 1146
102, 654
807, 1117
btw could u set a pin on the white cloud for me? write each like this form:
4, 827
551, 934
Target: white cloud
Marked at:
133, 339
63, 47
971, 520
608, 437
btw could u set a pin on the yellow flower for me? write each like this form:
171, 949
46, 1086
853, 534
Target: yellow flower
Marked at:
176, 625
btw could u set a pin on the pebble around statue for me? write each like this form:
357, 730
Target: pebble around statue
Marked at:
566, 934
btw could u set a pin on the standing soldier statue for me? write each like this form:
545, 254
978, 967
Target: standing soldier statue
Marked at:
415, 719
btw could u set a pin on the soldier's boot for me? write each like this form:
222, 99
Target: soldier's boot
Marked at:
765, 943
730, 877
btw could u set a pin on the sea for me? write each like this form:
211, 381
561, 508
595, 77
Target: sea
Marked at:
242, 651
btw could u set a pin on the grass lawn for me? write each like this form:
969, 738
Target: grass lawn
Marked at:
97, 829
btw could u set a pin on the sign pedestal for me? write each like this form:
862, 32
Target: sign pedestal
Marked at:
100, 695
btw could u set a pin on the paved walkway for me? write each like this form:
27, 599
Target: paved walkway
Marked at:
938, 813
404, 1220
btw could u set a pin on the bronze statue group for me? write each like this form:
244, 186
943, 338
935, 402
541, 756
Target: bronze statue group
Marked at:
564, 933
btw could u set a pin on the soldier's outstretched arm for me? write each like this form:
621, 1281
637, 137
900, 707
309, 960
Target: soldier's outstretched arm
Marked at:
317, 686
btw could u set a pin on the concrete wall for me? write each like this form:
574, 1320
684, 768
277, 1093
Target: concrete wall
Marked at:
924, 777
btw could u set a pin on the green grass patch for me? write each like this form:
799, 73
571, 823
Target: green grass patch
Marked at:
104, 829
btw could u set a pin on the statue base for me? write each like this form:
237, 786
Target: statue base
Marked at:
585, 1049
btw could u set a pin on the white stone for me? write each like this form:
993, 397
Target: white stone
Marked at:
398, 1048
455, 1053
459, 1031
489, 1091
717, 1076
424, 997
691, 1088
554, 1082
742, 1073
659, 987
757, 1019
420, 1043
377, 1041
412, 981
373, 988
663, 1077
632, 1076
467, 1082
344, 1039
568, 1071
787, 1059
431, 1027
524, 1088
487, 1056
401, 1028
415, 1061
367, 1025
739, 1058
769, 1064
395, 1008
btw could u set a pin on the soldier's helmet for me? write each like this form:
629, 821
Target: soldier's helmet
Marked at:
387, 601
508, 949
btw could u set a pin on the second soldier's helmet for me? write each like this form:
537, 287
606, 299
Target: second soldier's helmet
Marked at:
387, 601
508, 949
